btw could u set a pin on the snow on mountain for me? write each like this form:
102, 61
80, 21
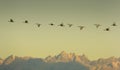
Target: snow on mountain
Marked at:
111, 63
9, 60
62, 61
67, 57
12, 58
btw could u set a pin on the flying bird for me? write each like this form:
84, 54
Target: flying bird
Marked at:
70, 25
97, 25
26, 21
107, 29
38, 24
81, 27
11, 20
114, 24
62, 25
51, 24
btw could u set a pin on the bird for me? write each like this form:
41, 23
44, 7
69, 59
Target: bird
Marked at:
11, 20
97, 25
26, 21
81, 27
62, 25
38, 24
114, 24
70, 25
107, 29
51, 24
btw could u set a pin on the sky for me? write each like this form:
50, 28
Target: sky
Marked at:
23, 39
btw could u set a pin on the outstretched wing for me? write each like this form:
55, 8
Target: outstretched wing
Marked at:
81, 27
70, 25
97, 25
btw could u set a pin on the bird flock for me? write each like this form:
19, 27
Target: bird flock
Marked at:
69, 25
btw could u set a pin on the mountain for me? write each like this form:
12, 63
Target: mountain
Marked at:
10, 59
67, 57
111, 63
62, 61
1, 61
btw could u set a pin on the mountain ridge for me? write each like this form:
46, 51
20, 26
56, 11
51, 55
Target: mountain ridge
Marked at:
61, 61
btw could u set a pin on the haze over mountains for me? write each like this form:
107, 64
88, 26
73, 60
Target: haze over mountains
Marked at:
62, 61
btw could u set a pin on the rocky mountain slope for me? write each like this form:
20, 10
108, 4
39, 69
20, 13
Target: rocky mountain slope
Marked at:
62, 61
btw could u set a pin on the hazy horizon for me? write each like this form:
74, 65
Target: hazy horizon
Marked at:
28, 40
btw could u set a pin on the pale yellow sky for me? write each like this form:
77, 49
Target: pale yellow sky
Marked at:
27, 40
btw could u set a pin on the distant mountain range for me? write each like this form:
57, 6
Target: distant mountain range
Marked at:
62, 61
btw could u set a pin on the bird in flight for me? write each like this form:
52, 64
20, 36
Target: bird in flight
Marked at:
107, 29
26, 21
62, 25
70, 25
81, 27
11, 20
38, 24
97, 25
51, 24
114, 24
